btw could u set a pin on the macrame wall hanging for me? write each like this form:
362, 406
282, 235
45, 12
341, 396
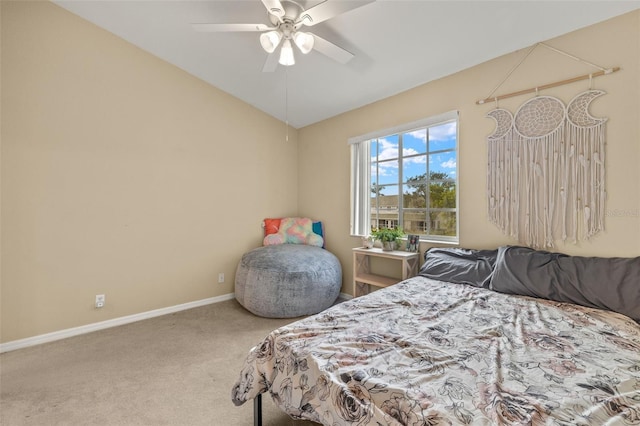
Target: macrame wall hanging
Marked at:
546, 168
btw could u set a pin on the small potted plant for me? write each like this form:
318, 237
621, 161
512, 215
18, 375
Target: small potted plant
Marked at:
387, 236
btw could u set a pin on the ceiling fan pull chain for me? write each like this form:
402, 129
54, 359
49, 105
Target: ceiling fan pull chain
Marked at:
286, 103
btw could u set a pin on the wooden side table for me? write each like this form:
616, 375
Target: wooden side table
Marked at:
362, 276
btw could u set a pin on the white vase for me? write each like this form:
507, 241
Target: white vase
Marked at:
388, 245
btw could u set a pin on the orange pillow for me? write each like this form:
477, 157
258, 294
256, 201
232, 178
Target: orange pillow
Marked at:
271, 226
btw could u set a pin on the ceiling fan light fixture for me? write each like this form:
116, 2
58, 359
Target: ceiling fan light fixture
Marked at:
286, 54
304, 41
270, 40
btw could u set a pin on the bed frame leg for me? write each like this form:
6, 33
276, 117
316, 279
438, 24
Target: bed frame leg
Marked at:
257, 410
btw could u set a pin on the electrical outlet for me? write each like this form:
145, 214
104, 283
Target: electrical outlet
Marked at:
100, 300
221, 277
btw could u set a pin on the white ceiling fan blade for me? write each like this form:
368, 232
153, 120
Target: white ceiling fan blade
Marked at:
328, 9
220, 28
274, 7
271, 63
329, 49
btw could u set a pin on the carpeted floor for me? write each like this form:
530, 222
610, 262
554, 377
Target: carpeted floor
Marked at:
176, 369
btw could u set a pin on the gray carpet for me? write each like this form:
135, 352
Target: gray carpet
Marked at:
176, 369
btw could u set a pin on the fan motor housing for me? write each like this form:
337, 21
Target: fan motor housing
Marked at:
291, 12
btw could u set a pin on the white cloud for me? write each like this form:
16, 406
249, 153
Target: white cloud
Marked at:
449, 164
443, 132
420, 159
388, 149
420, 134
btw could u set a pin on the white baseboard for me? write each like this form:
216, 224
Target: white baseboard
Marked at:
76, 331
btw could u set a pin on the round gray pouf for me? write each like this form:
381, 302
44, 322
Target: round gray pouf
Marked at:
287, 280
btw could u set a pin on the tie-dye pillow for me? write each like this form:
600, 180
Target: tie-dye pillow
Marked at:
294, 230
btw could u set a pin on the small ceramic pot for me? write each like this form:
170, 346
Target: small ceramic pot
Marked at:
367, 242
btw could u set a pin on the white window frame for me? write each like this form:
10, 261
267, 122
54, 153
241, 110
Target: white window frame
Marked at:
360, 219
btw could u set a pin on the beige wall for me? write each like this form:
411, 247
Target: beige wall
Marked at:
0, 172
324, 155
122, 175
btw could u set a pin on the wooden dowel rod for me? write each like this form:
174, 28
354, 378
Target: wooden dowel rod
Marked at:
548, 86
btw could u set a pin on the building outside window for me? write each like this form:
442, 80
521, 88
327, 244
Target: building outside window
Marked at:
407, 177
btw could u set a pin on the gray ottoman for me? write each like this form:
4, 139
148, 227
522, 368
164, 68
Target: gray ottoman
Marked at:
287, 280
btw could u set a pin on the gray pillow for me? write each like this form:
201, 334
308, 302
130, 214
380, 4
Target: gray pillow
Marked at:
460, 266
598, 282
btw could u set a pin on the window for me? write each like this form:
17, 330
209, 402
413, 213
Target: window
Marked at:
407, 177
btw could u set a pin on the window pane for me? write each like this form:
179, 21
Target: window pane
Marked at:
442, 195
442, 137
384, 196
443, 223
374, 150
388, 222
388, 147
387, 172
414, 142
414, 222
414, 196
414, 168
384, 208
390, 193
443, 165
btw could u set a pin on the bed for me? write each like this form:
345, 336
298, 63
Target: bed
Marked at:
469, 341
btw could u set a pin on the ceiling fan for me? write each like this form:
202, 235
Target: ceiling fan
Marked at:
287, 17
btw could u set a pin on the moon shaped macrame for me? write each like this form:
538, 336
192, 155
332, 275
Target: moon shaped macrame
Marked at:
546, 174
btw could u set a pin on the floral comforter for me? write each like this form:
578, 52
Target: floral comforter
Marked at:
426, 352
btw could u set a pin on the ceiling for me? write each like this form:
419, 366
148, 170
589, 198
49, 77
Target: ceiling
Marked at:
398, 44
